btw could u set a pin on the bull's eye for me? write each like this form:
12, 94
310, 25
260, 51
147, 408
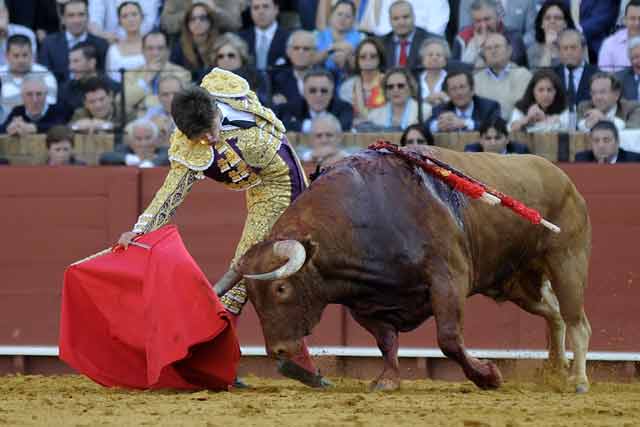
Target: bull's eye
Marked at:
281, 289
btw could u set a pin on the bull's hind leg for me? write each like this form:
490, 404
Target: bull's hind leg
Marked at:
387, 339
543, 302
568, 278
448, 306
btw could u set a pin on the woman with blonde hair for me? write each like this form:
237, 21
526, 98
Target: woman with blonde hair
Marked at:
199, 32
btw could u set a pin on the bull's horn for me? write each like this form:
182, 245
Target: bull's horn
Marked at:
295, 254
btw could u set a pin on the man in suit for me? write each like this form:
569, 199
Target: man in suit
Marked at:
494, 138
266, 40
517, 15
402, 44
465, 111
469, 43
605, 146
319, 97
606, 104
574, 73
288, 82
596, 18
54, 53
630, 77
614, 53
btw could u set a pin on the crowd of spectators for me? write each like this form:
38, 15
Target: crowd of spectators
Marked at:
325, 67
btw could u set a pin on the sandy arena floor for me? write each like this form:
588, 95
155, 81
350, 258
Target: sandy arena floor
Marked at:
76, 401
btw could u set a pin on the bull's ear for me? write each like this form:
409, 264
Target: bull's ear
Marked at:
311, 246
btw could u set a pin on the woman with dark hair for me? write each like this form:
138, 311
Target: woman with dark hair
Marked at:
401, 108
194, 49
552, 19
416, 134
363, 90
127, 53
543, 107
494, 138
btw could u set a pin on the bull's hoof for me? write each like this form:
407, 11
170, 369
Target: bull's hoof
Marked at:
294, 371
491, 377
385, 384
582, 385
582, 388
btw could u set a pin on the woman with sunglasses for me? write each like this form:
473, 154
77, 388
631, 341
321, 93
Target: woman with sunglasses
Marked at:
401, 108
364, 89
127, 53
195, 47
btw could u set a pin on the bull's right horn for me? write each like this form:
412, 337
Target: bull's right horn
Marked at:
295, 254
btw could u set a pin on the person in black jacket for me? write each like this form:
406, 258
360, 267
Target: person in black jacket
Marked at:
494, 138
267, 41
605, 146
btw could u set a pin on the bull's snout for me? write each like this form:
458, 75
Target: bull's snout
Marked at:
279, 352
283, 350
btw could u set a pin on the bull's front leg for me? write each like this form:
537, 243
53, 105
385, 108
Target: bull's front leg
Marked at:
387, 339
447, 306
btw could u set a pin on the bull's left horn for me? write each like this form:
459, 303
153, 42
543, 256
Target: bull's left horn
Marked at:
295, 254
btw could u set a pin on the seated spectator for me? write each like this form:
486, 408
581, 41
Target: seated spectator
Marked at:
575, 74
100, 113
517, 15
494, 138
613, 55
552, 19
465, 111
266, 39
631, 76
126, 54
605, 146
105, 22
434, 54
543, 108
83, 65
401, 108
502, 80
606, 104
168, 86
596, 19
8, 29
228, 13
374, 17
335, 45
402, 44
416, 134
364, 90
141, 85
54, 51
326, 141
20, 63
319, 97
468, 44
288, 81
141, 147
194, 49
36, 114
60, 147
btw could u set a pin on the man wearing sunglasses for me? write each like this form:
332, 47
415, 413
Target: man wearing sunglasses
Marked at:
319, 97
224, 133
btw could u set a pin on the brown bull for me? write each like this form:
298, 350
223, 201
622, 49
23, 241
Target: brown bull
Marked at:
396, 246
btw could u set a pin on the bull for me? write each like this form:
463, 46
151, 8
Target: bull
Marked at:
396, 246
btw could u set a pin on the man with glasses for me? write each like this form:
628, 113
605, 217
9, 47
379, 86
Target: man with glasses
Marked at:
266, 40
141, 85
502, 80
35, 115
465, 111
54, 53
288, 83
19, 64
318, 98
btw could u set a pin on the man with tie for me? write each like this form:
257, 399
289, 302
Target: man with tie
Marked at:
402, 44
630, 77
224, 133
605, 146
465, 111
596, 19
574, 73
266, 40
54, 53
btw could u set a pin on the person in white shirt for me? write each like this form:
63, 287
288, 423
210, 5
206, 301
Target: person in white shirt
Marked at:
104, 22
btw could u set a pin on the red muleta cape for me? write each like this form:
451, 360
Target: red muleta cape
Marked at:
147, 319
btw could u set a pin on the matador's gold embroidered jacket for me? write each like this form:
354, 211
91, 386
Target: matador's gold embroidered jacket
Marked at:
256, 159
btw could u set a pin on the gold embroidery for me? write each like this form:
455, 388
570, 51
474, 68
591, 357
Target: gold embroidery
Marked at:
222, 83
195, 156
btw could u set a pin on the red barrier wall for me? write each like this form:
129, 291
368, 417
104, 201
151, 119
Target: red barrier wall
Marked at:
52, 217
